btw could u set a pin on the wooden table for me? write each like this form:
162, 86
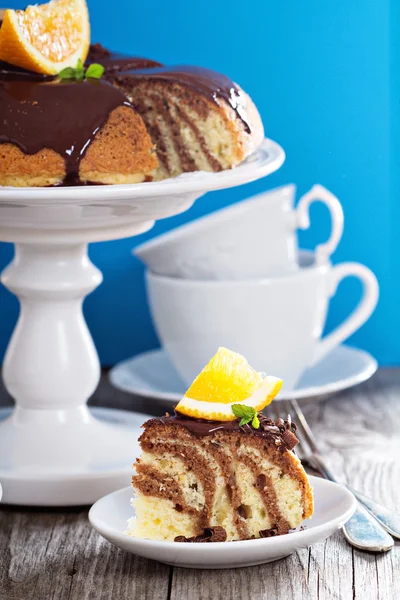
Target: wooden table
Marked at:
56, 555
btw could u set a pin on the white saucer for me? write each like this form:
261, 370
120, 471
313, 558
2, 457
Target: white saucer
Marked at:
152, 375
334, 506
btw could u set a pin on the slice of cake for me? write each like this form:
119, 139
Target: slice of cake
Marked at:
198, 119
219, 469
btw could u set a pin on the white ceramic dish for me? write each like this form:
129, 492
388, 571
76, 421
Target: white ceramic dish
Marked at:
334, 506
152, 375
51, 366
249, 239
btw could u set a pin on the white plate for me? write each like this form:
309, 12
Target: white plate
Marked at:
266, 159
152, 375
334, 506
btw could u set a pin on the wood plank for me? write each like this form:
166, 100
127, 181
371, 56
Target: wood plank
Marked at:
273, 581
359, 434
324, 571
56, 554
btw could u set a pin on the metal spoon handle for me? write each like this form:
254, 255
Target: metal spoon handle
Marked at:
365, 533
363, 529
388, 518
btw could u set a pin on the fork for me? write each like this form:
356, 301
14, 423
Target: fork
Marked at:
370, 525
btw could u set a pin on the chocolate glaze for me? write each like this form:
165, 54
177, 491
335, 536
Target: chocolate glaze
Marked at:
210, 84
46, 120
63, 116
280, 432
114, 62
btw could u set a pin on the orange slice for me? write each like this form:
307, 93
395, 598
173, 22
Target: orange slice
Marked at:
227, 379
46, 38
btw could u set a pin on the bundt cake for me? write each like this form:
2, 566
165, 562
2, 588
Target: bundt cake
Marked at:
141, 122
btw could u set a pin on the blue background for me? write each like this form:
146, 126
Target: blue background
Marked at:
324, 78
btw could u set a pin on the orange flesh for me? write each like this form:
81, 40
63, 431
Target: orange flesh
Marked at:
56, 34
226, 378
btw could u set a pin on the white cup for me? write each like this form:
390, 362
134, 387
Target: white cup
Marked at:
253, 238
275, 323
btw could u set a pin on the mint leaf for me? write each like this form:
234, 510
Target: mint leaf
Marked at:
94, 71
241, 410
79, 70
68, 73
247, 414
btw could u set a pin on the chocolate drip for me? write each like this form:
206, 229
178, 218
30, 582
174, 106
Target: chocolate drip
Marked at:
10, 72
63, 116
280, 432
210, 84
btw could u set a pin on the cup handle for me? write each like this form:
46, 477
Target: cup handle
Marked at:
321, 194
360, 314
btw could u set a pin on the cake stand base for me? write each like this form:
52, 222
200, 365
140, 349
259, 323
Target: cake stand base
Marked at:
66, 458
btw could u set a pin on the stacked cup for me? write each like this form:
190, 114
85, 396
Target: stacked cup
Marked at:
236, 278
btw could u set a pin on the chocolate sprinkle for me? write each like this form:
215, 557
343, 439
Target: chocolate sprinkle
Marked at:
266, 533
210, 534
289, 439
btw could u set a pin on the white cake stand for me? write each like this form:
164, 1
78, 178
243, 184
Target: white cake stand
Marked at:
54, 451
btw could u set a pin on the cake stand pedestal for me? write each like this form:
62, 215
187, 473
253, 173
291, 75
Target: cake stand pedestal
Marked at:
54, 450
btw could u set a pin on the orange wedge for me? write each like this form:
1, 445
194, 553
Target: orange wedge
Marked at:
227, 379
46, 38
